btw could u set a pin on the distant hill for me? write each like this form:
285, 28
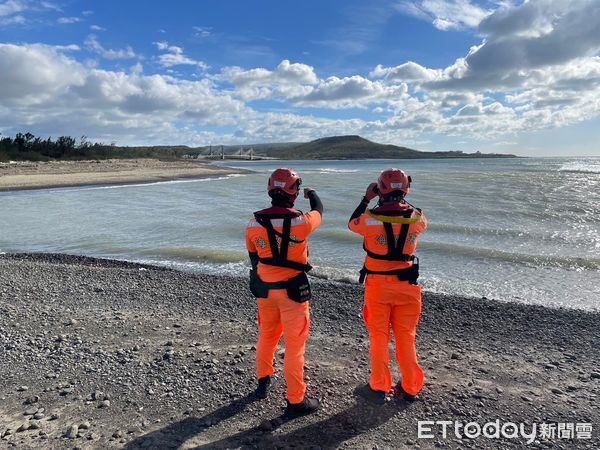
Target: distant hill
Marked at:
356, 147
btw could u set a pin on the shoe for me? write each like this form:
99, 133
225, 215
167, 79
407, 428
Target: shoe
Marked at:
306, 406
400, 393
371, 395
262, 391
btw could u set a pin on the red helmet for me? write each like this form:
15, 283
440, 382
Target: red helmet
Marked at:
392, 180
285, 179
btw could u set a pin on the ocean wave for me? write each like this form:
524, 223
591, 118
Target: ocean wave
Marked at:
329, 170
517, 258
592, 167
338, 234
198, 254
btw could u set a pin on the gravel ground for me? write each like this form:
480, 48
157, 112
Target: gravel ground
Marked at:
106, 354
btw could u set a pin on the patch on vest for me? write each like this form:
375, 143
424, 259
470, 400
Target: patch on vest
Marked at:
381, 239
292, 244
412, 238
260, 242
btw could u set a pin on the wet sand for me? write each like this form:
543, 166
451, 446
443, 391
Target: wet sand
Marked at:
53, 174
107, 354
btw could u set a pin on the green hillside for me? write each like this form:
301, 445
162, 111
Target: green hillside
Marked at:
356, 147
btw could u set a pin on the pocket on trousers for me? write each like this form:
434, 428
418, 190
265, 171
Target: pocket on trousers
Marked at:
306, 328
366, 315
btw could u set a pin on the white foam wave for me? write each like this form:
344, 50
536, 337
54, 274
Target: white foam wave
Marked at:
591, 167
329, 170
152, 183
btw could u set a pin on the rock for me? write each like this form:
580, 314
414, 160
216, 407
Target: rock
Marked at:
34, 426
595, 375
22, 388
54, 416
30, 411
39, 416
85, 425
24, 427
65, 391
454, 356
527, 399
265, 425
117, 434
97, 395
31, 400
557, 391
104, 404
72, 432
550, 366
499, 390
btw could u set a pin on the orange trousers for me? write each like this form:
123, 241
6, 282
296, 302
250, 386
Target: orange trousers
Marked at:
279, 315
390, 302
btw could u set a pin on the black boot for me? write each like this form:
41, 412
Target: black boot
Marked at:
371, 395
306, 406
400, 393
262, 391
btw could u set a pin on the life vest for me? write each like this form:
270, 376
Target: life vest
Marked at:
298, 287
395, 246
280, 252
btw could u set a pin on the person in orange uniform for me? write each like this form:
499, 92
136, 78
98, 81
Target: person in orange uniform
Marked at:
392, 295
277, 243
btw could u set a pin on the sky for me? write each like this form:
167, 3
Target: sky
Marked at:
509, 76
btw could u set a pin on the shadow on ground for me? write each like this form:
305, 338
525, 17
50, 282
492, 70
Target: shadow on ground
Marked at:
359, 418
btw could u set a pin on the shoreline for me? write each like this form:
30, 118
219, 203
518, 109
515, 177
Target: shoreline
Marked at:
24, 176
173, 355
98, 260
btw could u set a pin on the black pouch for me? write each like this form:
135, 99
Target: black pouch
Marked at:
257, 286
298, 288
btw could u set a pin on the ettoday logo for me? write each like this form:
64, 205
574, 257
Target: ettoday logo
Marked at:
430, 429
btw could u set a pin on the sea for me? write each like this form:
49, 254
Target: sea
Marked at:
523, 229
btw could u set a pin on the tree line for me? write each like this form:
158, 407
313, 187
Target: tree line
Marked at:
27, 147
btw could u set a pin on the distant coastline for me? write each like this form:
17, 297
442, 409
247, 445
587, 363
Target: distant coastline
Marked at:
27, 147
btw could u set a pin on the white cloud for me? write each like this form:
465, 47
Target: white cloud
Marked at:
349, 92
409, 71
11, 7
97, 28
174, 56
41, 86
68, 20
537, 67
445, 14
287, 80
202, 32
536, 35
92, 44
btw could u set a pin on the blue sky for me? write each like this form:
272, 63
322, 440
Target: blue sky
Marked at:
494, 76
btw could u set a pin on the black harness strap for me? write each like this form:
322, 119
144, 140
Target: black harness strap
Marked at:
394, 245
280, 254
410, 274
394, 253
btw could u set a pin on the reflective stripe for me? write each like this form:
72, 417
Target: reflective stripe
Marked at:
252, 223
377, 219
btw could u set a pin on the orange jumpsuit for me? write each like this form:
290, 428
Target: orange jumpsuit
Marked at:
391, 302
277, 314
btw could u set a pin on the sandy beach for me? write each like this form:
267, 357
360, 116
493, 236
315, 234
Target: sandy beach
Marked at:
52, 174
105, 354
